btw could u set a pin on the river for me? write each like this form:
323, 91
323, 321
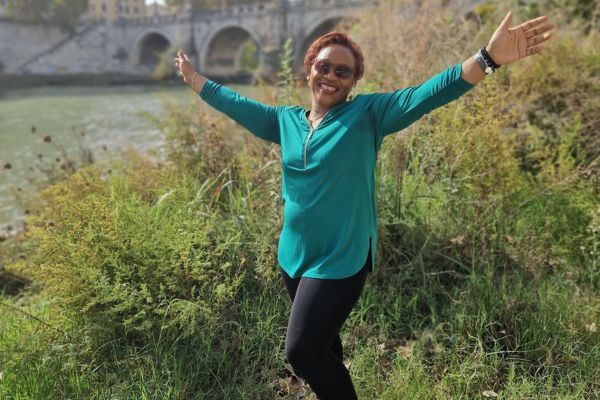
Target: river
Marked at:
102, 119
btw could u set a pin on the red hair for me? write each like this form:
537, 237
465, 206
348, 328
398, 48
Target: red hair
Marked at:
335, 38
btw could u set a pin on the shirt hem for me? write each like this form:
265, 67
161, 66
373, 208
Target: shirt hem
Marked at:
328, 276
321, 276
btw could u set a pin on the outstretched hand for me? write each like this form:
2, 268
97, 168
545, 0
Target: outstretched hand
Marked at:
184, 66
511, 44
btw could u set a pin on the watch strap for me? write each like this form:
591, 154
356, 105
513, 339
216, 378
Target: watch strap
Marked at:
485, 61
481, 62
489, 58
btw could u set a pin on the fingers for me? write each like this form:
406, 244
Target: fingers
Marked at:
538, 31
178, 66
535, 34
538, 39
532, 23
533, 50
179, 59
181, 56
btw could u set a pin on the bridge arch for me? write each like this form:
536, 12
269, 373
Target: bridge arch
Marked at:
147, 49
226, 46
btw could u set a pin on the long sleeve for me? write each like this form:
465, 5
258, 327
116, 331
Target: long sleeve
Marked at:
392, 112
260, 119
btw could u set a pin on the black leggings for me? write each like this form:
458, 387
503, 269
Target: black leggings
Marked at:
312, 344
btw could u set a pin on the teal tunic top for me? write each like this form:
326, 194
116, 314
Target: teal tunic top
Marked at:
328, 184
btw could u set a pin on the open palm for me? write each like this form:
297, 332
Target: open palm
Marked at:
511, 44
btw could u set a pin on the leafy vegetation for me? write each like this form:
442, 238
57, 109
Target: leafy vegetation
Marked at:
160, 281
209, 4
61, 13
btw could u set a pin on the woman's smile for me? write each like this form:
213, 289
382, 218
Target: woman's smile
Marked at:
327, 88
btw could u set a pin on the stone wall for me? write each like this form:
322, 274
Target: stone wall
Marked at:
90, 50
20, 42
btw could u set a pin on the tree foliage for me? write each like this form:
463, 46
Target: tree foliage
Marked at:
61, 13
249, 58
208, 4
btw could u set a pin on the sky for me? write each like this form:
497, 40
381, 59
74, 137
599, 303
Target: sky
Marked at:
155, 1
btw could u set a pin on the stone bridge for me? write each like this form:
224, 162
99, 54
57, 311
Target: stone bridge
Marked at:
217, 41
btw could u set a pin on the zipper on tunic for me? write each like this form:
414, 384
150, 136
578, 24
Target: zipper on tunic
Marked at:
306, 143
312, 130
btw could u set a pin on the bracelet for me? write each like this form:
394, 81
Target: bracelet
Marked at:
194, 81
488, 58
482, 64
484, 60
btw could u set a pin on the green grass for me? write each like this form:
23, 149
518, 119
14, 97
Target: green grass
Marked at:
160, 281
519, 339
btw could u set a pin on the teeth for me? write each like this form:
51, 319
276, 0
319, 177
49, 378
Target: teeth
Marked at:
328, 87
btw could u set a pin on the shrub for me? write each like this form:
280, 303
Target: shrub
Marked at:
141, 252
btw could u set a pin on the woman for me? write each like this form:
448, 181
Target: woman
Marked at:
328, 154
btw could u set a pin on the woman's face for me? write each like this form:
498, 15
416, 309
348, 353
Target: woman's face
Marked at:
330, 89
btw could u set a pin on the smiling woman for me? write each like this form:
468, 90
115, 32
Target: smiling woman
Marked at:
328, 158
332, 52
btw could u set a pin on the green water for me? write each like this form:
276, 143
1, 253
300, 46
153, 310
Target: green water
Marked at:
108, 117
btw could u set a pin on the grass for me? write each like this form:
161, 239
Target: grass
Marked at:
159, 281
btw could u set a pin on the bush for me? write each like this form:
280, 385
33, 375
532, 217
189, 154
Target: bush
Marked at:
142, 252
487, 271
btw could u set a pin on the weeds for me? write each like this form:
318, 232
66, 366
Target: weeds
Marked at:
164, 276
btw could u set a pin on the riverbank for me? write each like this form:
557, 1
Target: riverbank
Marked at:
18, 81
102, 119
78, 120
15, 81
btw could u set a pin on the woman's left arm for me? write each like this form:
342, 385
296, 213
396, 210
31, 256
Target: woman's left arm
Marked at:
396, 110
508, 45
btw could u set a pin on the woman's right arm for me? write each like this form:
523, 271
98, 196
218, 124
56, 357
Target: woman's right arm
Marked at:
260, 119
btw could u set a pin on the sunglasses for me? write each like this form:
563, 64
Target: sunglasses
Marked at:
341, 71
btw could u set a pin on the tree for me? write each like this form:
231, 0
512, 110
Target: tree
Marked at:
63, 14
208, 4
249, 58
30, 10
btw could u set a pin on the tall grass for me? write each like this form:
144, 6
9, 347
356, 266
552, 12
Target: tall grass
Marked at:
160, 280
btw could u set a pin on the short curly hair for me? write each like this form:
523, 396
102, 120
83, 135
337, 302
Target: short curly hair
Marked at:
335, 38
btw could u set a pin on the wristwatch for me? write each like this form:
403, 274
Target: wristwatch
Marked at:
486, 63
